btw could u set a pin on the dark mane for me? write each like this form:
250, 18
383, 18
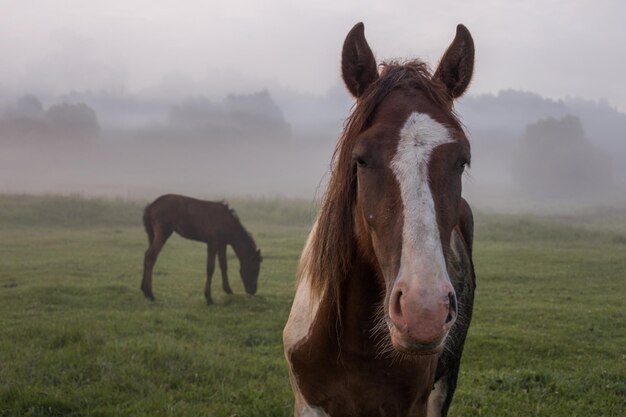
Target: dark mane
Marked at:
230, 210
333, 244
235, 216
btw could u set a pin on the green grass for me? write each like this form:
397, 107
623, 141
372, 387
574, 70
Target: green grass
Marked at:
77, 337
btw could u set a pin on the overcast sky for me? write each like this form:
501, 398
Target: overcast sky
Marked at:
557, 48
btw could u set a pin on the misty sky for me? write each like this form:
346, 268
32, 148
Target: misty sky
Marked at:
557, 48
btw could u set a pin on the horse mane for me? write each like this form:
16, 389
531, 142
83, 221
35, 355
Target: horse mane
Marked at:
231, 210
233, 213
235, 216
332, 247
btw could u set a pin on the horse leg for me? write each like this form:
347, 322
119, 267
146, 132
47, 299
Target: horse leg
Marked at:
150, 258
210, 268
221, 253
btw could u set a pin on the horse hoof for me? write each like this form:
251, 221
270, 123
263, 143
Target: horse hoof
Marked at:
209, 301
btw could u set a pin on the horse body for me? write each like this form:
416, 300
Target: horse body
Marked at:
213, 223
386, 281
353, 378
350, 378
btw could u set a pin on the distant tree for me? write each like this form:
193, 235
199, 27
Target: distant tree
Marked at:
72, 120
26, 107
195, 112
257, 112
555, 159
22, 120
247, 117
259, 105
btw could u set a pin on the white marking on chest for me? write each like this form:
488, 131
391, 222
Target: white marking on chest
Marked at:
299, 326
436, 398
305, 304
421, 244
301, 316
308, 411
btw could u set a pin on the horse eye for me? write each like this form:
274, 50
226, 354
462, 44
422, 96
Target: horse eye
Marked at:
361, 162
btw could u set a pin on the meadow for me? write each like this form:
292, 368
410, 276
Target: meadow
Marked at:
77, 338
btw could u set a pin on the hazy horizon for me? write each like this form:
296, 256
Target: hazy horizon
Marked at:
258, 145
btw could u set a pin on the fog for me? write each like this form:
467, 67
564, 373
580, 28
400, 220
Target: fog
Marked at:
236, 99
526, 149
240, 145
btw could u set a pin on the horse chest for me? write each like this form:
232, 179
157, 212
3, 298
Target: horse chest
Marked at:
356, 385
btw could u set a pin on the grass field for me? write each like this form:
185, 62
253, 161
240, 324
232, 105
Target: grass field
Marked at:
77, 338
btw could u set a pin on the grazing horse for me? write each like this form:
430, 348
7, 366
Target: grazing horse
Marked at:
213, 223
386, 281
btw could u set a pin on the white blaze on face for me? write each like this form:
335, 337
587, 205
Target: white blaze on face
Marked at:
422, 255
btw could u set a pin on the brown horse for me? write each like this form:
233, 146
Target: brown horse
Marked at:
213, 223
386, 280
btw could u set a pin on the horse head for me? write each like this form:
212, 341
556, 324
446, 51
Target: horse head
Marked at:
404, 153
249, 270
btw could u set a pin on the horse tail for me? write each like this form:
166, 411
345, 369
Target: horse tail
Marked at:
147, 223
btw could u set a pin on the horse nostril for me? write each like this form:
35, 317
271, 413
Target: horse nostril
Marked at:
396, 309
453, 307
397, 303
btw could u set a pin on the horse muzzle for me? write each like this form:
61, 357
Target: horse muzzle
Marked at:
420, 316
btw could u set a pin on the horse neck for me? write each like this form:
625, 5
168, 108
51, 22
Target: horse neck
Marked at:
242, 242
360, 301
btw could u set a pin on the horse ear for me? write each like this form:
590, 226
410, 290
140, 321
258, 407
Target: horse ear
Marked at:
358, 65
457, 64
258, 253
